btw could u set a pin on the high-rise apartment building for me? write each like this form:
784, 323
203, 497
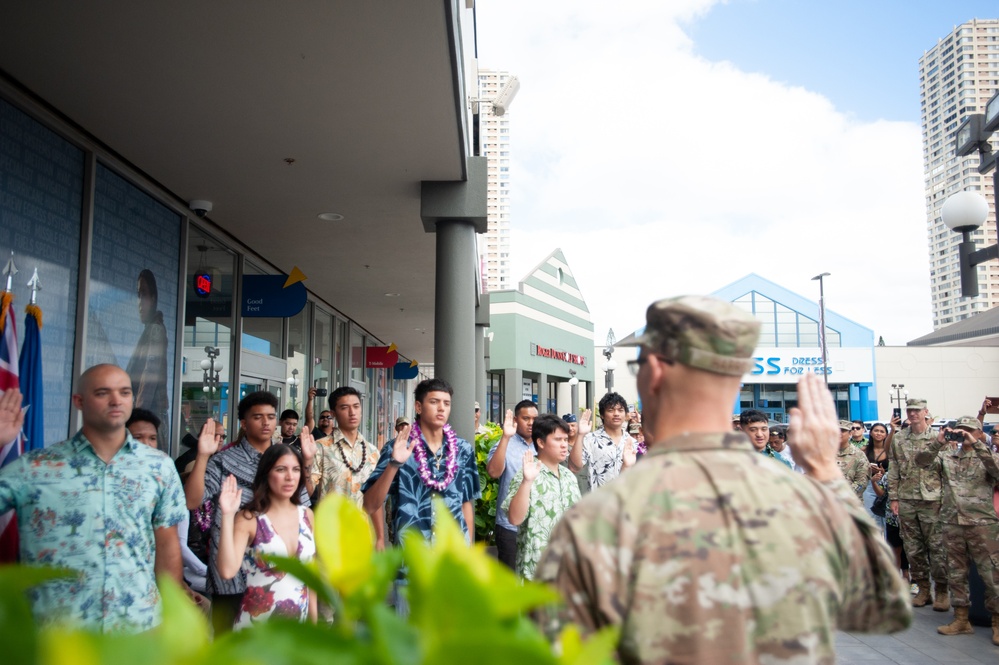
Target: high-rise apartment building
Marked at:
494, 140
957, 77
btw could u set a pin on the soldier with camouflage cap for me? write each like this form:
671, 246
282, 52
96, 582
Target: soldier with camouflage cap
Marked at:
968, 522
915, 499
852, 462
679, 551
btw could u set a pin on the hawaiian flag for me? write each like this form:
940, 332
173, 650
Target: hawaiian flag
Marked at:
9, 450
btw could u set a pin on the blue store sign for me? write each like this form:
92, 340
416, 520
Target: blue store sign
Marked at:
277, 296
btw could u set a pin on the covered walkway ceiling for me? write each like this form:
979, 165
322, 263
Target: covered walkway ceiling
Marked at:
275, 112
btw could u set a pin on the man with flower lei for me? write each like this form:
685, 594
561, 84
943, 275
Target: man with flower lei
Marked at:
345, 459
425, 460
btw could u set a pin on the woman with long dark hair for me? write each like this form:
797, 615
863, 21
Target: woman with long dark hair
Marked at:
877, 456
273, 522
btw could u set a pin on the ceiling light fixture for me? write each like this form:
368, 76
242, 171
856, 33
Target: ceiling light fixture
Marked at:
330, 216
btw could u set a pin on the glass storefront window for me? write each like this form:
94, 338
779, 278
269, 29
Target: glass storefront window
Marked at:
132, 309
298, 365
41, 202
263, 335
322, 368
208, 327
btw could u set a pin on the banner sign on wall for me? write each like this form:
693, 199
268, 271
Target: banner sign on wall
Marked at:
277, 296
787, 365
381, 356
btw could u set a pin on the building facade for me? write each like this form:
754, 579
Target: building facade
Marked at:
956, 78
333, 246
790, 347
494, 138
540, 338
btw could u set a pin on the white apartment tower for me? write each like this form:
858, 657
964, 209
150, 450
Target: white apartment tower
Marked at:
957, 77
494, 139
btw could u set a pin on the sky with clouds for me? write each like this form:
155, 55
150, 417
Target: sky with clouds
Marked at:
673, 147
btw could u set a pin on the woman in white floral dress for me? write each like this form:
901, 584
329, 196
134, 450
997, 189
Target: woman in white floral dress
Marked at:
273, 522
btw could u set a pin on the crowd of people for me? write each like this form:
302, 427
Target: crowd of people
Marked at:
712, 546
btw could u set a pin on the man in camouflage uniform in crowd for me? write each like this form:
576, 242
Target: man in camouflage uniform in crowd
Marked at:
968, 522
915, 498
852, 461
685, 551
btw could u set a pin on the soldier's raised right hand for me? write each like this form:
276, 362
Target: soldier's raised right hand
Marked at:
814, 430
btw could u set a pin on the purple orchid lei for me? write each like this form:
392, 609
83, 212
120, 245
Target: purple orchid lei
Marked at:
203, 515
420, 452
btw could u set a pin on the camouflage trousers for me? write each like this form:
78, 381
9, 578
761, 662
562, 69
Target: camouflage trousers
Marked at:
920, 529
981, 542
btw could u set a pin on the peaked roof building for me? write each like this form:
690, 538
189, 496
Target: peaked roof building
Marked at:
541, 335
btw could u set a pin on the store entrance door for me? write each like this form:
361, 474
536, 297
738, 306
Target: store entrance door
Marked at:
776, 414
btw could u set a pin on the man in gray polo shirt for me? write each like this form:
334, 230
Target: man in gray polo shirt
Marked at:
505, 460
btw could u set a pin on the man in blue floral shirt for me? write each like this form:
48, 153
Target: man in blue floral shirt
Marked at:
434, 461
102, 504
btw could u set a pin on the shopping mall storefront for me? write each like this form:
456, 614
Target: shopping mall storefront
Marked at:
128, 277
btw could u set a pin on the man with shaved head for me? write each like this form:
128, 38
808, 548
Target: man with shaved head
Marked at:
100, 503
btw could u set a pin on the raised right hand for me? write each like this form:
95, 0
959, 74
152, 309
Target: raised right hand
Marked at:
207, 444
585, 424
401, 449
814, 430
532, 467
230, 496
509, 426
11, 415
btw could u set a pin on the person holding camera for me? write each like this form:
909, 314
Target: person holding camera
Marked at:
324, 427
969, 526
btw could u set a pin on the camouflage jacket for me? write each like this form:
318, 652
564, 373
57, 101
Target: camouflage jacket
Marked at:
968, 475
906, 480
856, 469
707, 552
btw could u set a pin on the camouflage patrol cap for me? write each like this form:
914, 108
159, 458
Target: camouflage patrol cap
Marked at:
701, 332
913, 403
845, 425
969, 423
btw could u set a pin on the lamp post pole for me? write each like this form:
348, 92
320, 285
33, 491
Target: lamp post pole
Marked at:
822, 327
964, 212
610, 365
211, 367
899, 396
574, 393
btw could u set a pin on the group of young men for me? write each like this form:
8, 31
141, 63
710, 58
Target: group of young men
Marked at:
677, 549
536, 460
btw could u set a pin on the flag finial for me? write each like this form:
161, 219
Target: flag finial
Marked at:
35, 285
10, 270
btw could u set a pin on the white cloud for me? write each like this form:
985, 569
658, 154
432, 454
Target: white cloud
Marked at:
660, 173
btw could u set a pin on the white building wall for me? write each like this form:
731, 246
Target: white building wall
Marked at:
952, 379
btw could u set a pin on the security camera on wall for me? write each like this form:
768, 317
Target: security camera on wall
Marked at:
505, 97
200, 208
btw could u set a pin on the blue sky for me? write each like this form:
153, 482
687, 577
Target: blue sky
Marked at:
675, 146
862, 54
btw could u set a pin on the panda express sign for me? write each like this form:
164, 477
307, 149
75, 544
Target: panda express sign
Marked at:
555, 354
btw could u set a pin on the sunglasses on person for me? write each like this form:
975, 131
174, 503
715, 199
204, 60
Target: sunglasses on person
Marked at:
856, 429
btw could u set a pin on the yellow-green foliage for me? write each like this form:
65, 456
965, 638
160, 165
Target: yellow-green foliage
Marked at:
465, 608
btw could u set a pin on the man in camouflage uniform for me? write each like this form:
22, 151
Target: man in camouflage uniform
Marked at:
686, 553
915, 498
852, 461
968, 522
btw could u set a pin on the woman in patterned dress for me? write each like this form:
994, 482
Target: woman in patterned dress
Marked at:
273, 522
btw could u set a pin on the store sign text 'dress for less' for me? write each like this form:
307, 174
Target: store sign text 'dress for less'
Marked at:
554, 354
